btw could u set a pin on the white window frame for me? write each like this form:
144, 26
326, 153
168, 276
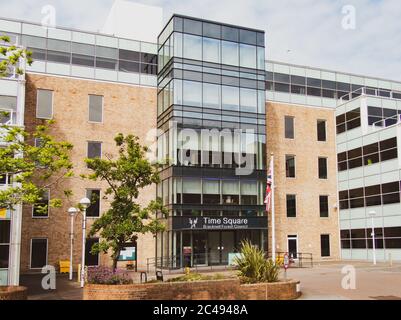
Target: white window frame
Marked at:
30, 253
90, 121
328, 206
48, 209
327, 167
100, 202
296, 238
37, 103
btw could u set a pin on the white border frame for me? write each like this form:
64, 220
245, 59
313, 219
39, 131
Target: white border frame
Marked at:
37, 104
89, 97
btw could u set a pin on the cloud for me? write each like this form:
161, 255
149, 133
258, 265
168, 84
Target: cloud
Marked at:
306, 32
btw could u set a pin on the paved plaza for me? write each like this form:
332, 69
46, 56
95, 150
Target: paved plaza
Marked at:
322, 282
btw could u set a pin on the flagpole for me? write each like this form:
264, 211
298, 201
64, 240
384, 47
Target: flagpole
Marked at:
273, 213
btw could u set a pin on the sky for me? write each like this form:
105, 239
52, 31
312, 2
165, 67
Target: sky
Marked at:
365, 38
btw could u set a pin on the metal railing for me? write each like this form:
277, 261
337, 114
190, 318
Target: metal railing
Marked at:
8, 117
297, 260
387, 122
370, 92
210, 261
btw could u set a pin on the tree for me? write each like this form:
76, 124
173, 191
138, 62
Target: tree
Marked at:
125, 176
32, 163
13, 57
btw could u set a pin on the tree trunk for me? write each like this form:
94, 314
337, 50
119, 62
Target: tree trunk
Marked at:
115, 259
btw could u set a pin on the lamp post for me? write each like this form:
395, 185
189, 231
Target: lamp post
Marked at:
71, 211
85, 202
372, 214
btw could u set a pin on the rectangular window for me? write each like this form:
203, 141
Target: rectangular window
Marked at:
91, 259
41, 208
321, 130
38, 253
94, 150
322, 168
95, 108
44, 104
291, 206
290, 166
94, 209
325, 245
324, 206
289, 127
4, 243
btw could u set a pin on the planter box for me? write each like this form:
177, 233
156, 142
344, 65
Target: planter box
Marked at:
228, 289
13, 293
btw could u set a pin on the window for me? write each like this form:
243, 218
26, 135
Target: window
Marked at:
325, 245
38, 253
348, 121
211, 192
291, 206
192, 47
91, 259
248, 100
41, 208
211, 96
289, 127
94, 209
94, 150
248, 56
211, 50
290, 166
230, 53
95, 108
324, 206
230, 98
321, 130
191, 191
249, 192
322, 168
44, 104
192, 92
4, 243
230, 192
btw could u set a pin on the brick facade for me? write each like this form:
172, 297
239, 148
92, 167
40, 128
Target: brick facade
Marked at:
308, 225
127, 109
229, 289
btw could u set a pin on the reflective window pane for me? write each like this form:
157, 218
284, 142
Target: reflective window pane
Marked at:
230, 98
192, 92
248, 100
192, 47
247, 56
230, 53
211, 96
211, 50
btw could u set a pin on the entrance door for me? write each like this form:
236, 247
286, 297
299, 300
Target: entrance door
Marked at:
199, 241
293, 246
227, 246
214, 247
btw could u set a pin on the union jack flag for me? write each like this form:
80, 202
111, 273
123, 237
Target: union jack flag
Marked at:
269, 189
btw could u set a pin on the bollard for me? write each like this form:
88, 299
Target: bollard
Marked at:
390, 258
79, 273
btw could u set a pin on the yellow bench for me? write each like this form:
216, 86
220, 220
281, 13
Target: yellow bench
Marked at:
64, 266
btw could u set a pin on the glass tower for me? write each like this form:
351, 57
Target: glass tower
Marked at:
212, 141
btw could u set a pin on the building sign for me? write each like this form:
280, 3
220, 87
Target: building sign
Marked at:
128, 254
218, 223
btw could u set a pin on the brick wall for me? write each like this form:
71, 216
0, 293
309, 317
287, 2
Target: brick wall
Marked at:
307, 225
228, 289
13, 293
127, 109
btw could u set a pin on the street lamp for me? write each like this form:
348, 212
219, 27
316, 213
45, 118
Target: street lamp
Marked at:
85, 202
71, 211
372, 214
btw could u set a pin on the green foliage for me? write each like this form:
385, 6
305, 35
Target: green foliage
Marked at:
12, 56
253, 267
196, 277
126, 176
33, 168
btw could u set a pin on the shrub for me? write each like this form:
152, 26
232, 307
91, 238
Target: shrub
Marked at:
196, 277
253, 267
105, 275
